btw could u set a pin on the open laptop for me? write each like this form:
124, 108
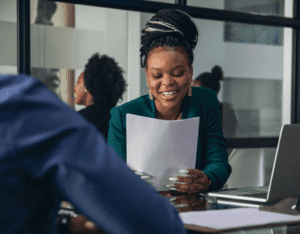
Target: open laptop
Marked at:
285, 177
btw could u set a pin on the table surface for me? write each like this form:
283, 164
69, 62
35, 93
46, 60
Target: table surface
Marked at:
196, 202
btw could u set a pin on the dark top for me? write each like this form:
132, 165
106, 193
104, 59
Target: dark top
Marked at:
229, 120
212, 156
49, 153
99, 115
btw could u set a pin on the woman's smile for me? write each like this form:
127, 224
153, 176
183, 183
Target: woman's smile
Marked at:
170, 93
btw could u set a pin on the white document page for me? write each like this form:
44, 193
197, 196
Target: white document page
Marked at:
160, 148
235, 218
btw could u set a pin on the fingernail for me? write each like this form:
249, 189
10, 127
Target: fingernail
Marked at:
172, 199
180, 183
173, 178
170, 185
145, 177
139, 173
184, 171
173, 188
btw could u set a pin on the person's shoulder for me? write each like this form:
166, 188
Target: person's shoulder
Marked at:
134, 106
202, 91
202, 94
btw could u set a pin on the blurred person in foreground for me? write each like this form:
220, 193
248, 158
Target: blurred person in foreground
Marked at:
66, 158
211, 80
168, 41
99, 88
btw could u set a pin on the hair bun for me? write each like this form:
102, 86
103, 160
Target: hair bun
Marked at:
182, 21
217, 72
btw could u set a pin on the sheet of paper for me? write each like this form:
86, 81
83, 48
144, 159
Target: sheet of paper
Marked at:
160, 148
235, 218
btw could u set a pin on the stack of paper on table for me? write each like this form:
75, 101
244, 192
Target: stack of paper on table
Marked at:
231, 219
160, 148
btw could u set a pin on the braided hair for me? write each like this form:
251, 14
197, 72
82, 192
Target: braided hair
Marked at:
169, 27
104, 80
211, 80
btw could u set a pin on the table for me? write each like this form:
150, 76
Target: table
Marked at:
196, 202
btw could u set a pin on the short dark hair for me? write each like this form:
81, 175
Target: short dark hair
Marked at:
104, 80
186, 36
211, 80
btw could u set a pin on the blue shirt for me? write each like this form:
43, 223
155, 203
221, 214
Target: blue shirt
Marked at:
49, 153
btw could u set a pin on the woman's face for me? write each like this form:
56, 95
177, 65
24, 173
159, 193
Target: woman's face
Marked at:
168, 75
80, 95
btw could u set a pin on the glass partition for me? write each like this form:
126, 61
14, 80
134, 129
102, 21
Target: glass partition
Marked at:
64, 36
257, 7
251, 167
254, 75
8, 37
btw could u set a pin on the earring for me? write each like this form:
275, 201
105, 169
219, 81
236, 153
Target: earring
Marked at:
150, 95
85, 90
190, 90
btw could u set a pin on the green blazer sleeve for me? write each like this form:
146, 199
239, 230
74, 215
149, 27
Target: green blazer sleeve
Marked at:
117, 133
214, 150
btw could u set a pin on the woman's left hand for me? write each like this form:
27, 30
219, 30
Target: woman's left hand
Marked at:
197, 183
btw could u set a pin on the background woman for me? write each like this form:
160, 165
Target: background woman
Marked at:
99, 88
167, 48
212, 81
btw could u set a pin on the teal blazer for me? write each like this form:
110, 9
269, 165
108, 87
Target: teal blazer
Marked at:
212, 156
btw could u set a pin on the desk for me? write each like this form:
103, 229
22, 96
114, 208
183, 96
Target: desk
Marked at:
194, 202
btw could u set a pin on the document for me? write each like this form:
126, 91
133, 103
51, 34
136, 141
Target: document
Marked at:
230, 219
160, 148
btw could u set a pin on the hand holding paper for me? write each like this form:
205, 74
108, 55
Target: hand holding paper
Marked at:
161, 148
196, 182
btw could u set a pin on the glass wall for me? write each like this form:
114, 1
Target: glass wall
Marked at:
251, 167
64, 36
252, 83
257, 7
251, 90
256, 60
8, 37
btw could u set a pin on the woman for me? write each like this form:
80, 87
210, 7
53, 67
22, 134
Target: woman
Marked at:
212, 81
167, 44
99, 88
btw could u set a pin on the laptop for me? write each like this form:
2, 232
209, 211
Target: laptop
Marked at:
285, 177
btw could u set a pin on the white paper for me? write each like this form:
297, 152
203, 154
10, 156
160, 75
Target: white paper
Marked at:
234, 218
160, 148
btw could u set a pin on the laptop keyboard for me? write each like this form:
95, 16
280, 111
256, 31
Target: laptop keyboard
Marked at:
257, 195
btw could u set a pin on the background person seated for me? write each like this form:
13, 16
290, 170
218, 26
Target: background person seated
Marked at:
212, 80
99, 88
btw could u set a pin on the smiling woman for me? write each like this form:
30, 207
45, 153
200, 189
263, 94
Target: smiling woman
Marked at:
168, 41
169, 76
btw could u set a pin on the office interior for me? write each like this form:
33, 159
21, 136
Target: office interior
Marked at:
255, 42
